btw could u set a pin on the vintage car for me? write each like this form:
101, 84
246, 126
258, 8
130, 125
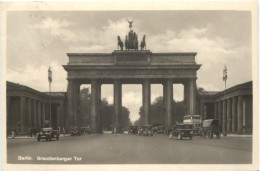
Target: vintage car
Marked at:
75, 131
85, 130
160, 129
48, 134
133, 130
181, 130
168, 130
146, 130
211, 127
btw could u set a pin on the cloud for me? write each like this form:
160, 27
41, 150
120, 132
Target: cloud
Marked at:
36, 77
57, 28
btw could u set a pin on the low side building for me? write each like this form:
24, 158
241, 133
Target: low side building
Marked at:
233, 107
28, 108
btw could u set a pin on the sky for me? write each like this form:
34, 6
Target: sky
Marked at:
39, 39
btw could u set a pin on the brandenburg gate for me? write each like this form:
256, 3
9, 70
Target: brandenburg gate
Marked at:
130, 66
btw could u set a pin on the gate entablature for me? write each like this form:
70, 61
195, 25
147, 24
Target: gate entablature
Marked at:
131, 65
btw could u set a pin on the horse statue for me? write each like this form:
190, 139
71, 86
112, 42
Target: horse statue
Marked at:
143, 43
136, 42
120, 43
126, 43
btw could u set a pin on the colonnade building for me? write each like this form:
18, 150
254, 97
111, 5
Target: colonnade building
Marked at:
233, 107
28, 108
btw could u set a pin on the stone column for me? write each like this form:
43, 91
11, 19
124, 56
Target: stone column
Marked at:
76, 103
61, 117
220, 110
39, 114
58, 116
169, 102
117, 103
29, 112
234, 115
43, 114
164, 103
147, 102
71, 104
99, 120
192, 99
205, 116
34, 121
229, 116
240, 115
224, 123
186, 98
8, 112
23, 114
216, 110
94, 105
244, 115
202, 111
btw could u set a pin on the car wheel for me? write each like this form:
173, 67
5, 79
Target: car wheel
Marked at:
218, 136
211, 135
208, 134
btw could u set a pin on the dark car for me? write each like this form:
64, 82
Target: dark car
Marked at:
146, 130
133, 130
85, 130
160, 130
48, 134
75, 131
182, 130
211, 127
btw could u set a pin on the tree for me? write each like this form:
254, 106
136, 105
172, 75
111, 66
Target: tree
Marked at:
158, 110
106, 112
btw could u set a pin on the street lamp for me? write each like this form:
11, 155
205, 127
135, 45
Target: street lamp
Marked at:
50, 80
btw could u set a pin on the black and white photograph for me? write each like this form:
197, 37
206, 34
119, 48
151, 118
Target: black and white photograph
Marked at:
149, 86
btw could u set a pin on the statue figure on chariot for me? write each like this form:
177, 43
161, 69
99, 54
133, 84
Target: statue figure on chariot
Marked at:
131, 40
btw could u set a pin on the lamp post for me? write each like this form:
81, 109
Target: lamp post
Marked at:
50, 80
225, 79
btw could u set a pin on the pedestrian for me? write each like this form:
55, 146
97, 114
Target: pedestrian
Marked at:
30, 132
115, 131
63, 130
13, 132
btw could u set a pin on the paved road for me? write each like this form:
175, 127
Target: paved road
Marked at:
131, 149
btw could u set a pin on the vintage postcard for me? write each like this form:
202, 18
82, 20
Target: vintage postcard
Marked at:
129, 85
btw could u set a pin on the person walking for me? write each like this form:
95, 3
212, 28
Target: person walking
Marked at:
63, 130
115, 130
13, 132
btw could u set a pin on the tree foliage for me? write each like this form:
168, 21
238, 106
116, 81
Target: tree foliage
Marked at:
158, 110
106, 112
